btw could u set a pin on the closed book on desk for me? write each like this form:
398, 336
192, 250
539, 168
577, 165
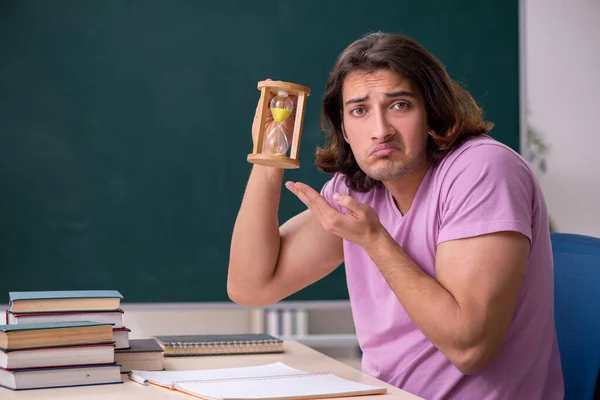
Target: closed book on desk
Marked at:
57, 356
67, 300
45, 378
203, 345
275, 381
114, 317
144, 354
22, 336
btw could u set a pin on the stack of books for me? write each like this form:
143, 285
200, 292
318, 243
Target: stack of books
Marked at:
99, 306
70, 306
57, 354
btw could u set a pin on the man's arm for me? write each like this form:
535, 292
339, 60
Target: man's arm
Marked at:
268, 262
467, 311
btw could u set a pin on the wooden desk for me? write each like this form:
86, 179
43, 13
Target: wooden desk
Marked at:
296, 355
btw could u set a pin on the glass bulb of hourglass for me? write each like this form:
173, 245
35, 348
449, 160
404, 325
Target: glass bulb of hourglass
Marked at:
281, 107
276, 142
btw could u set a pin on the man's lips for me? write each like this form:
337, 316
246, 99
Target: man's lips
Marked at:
383, 150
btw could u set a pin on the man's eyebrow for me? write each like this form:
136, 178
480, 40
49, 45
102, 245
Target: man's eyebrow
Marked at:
400, 93
357, 100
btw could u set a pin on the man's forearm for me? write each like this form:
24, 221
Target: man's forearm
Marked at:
255, 241
430, 306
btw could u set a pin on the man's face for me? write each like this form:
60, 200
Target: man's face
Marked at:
385, 124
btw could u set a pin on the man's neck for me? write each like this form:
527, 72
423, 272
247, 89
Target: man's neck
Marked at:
404, 190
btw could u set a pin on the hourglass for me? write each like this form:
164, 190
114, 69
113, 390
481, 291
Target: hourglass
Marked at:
270, 148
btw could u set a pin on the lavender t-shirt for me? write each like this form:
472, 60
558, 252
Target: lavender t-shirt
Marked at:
481, 187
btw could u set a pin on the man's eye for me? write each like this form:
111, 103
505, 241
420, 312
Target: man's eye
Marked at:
358, 111
402, 105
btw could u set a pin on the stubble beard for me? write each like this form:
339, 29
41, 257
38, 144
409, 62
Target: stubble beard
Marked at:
388, 169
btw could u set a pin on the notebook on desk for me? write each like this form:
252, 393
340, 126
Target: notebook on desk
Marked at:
275, 381
196, 345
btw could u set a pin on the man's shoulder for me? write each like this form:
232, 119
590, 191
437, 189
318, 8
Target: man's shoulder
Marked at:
482, 152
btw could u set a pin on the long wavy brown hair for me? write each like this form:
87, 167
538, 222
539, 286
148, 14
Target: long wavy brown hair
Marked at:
452, 114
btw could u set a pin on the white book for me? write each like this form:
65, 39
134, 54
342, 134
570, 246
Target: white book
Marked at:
275, 381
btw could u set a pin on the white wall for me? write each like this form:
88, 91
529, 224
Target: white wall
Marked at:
562, 82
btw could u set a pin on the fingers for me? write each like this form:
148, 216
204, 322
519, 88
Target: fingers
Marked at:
348, 202
269, 96
301, 192
310, 197
303, 198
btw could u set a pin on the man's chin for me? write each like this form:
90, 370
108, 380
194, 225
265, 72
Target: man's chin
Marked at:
387, 174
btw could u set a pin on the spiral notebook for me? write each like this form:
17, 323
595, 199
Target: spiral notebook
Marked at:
275, 381
205, 345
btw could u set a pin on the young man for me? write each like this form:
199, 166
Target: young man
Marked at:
443, 232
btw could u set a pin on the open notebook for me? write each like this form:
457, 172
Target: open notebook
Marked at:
275, 381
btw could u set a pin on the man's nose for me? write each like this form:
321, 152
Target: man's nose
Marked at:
383, 128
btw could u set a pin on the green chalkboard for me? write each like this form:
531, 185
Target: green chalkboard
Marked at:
125, 126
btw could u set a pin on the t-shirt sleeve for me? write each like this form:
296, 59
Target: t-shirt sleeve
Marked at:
486, 189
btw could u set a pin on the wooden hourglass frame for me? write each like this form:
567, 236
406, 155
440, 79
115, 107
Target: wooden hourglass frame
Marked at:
258, 155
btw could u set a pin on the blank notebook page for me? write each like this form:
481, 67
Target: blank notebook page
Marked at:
305, 386
169, 378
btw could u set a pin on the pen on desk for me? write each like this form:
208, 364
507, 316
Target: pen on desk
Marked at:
137, 379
